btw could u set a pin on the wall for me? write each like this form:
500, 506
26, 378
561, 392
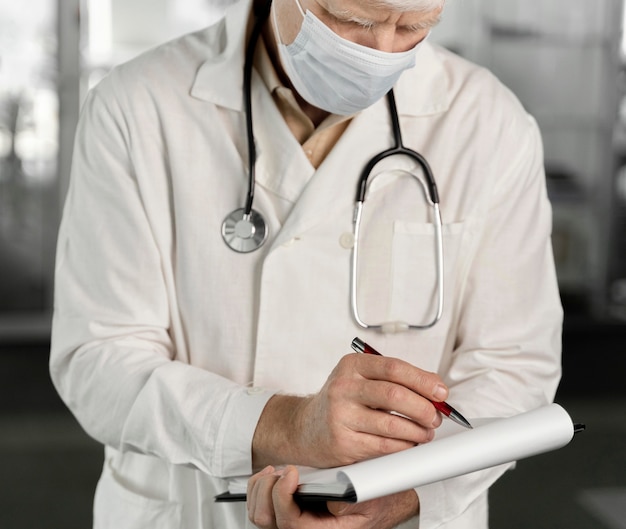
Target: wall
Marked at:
562, 59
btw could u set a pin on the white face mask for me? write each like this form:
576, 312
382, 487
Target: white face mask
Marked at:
338, 75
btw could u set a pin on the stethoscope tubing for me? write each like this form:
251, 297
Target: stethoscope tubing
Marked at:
262, 15
245, 230
397, 149
432, 196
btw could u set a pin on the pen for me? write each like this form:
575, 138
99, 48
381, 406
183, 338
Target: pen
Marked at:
361, 347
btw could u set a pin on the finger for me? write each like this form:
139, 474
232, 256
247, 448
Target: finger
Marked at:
425, 383
256, 477
340, 508
366, 446
394, 397
252, 488
259, 500
388, 427
372, 417
287, 511
386, 511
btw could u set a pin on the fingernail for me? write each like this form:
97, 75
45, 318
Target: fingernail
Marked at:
285, 471
441, 392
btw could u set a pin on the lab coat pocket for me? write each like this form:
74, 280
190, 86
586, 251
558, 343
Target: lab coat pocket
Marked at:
414, 270
397, 274
118, 507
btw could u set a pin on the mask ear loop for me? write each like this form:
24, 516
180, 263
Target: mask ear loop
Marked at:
280, 39
300, 8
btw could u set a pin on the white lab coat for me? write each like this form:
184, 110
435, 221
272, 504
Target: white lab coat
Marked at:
166, 344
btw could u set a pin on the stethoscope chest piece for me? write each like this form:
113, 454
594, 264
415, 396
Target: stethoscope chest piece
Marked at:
244, 233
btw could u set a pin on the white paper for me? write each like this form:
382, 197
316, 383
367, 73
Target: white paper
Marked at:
460, 452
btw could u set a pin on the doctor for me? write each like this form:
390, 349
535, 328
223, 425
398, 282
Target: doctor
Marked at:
193, 363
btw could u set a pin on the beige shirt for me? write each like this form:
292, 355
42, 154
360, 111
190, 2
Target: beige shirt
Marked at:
316, 142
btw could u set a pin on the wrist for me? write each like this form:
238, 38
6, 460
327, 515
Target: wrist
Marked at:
277, 437
415, 504
409, 507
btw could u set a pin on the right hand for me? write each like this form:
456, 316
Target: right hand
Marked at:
348, 420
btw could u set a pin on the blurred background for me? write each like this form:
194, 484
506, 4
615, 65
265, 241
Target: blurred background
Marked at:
565, 59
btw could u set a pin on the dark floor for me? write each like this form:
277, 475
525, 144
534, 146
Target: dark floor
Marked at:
50, 467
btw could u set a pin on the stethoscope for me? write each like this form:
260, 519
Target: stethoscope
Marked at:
245, 230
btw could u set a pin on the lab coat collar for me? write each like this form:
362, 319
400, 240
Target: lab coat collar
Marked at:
217, 76
421, 91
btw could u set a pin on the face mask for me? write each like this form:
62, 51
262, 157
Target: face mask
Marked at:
338, 75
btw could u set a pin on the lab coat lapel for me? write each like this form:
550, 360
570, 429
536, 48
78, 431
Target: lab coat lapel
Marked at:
281, 166
333, 186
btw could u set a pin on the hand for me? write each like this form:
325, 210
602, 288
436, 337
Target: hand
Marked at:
349, 419
271, 506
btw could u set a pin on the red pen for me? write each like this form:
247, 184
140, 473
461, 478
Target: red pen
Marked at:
361, 347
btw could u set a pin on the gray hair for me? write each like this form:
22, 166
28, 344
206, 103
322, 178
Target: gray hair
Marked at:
411, 5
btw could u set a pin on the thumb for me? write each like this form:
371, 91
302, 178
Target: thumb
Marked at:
341, 508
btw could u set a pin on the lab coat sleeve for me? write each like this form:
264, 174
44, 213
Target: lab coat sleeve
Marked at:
506, 358
112, 359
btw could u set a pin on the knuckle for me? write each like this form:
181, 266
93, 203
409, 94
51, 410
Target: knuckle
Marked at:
393, 394
347, 362
390, 446
261, 519
392, 368
424, 380
384, 445
338, 386
389, 426
426, 412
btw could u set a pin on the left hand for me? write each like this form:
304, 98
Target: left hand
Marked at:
271, 506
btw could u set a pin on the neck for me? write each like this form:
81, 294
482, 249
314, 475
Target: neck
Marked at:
270, 37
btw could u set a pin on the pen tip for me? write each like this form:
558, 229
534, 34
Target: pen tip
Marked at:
457, 417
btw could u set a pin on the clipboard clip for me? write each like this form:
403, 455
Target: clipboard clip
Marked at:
579, 427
